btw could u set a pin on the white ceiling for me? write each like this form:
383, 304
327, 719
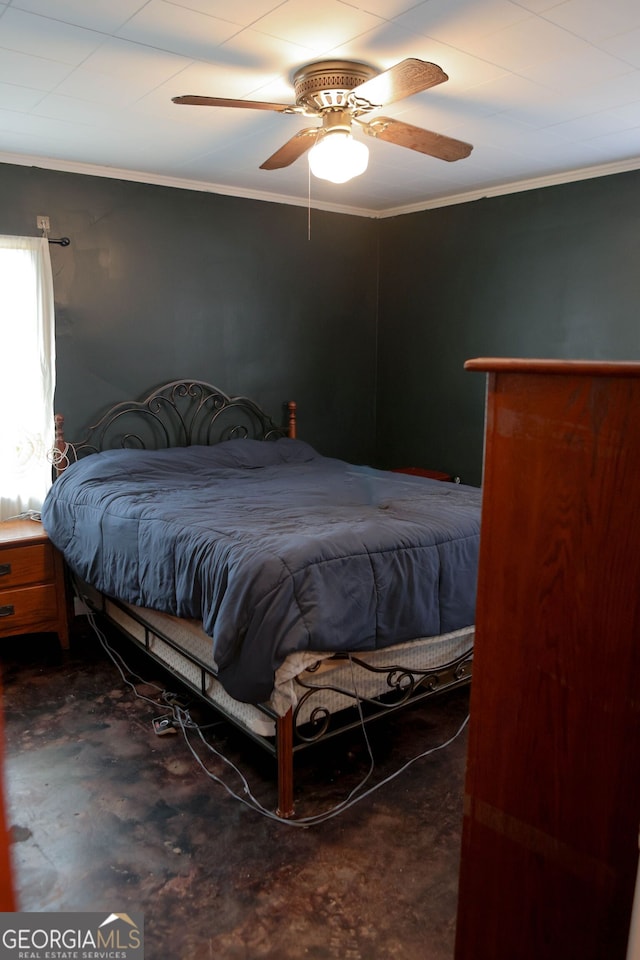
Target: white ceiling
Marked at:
546, 91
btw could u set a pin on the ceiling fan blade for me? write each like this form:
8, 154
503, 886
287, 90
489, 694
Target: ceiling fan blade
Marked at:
415, 138
403, 80
292, 149
222, 102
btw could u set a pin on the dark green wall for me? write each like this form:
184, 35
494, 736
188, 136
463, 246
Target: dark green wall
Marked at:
366, 325
161, 283
553, 272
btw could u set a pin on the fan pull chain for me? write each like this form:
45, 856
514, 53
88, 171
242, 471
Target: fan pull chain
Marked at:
308, 203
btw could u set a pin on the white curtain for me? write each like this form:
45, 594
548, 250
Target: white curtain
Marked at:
27, 373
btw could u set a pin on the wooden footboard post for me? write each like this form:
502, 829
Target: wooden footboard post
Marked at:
284, 753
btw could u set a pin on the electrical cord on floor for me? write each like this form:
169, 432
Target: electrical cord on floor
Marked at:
120, 664
182, 719
354, 797
167, 699
249, 800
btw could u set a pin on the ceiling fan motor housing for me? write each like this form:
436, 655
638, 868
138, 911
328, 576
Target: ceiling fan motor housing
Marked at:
328, 83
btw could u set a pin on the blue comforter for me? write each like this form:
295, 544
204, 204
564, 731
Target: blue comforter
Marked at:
274, 547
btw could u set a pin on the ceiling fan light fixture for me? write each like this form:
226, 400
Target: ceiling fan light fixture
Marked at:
338, 157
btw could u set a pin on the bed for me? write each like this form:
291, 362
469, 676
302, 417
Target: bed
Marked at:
296, 593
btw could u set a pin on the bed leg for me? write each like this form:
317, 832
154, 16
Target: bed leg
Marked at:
284, 752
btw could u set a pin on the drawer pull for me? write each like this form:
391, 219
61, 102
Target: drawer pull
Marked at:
5, 569
7, 611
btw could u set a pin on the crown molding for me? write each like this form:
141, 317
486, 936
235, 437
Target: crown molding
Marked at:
518, 186
177, 183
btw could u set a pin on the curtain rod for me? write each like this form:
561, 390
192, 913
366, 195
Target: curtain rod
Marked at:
63, 241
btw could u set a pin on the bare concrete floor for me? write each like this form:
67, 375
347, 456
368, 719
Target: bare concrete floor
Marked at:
108, 816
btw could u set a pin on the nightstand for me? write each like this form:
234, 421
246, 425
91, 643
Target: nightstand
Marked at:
431, 474
33, 596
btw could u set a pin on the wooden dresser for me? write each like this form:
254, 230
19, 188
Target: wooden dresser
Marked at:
552, 798
33, 598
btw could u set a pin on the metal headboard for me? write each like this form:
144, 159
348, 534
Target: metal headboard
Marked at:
177, 414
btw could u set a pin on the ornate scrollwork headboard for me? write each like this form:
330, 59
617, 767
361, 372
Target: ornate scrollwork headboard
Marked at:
177, 414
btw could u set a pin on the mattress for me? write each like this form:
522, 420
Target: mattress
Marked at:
300, 672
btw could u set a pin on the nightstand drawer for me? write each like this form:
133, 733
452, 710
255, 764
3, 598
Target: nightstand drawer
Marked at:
26, 564
33, 607
33, 591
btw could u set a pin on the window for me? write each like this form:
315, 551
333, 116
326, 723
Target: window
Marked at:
27, 373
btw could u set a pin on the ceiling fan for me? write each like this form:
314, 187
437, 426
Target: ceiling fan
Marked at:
340, 92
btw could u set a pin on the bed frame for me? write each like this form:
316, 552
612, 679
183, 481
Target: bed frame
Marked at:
188, 412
